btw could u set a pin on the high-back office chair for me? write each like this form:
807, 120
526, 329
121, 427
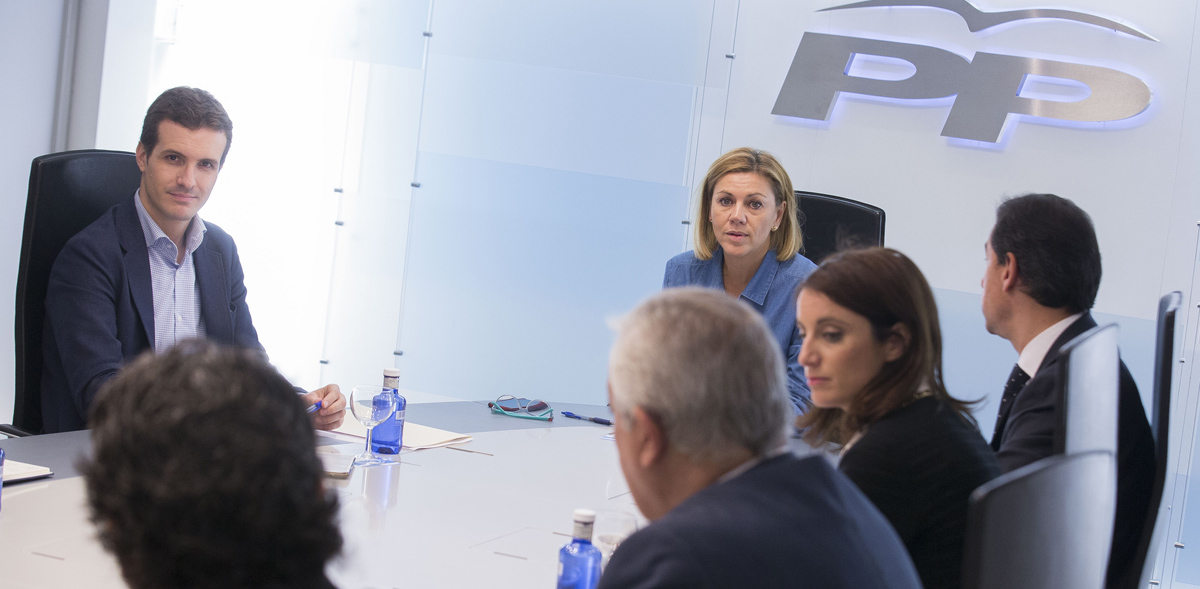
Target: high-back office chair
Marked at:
1089, 392
67, 191
1160, 425
1045, 525
832, 223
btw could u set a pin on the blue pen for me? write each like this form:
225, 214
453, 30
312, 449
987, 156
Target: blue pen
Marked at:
599, 420
314, 407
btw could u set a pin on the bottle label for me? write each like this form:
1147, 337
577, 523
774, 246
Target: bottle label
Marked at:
387, 437
583, 530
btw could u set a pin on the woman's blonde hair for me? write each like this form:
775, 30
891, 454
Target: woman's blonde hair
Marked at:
786, 241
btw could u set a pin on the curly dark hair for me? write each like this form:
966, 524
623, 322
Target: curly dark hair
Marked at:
1054, 242
204, 474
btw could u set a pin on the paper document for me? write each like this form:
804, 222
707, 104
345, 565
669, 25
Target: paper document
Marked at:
416, 436
352, 427
19, 471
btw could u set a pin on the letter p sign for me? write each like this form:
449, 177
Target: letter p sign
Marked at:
988, 88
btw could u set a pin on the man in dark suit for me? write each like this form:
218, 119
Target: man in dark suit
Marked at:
150, 273
699, 394
1042, 277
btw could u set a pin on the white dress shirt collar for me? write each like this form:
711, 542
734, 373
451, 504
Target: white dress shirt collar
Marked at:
1037, 348
152, 232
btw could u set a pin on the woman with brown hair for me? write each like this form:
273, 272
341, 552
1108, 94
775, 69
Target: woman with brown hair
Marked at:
747, 240
872, 354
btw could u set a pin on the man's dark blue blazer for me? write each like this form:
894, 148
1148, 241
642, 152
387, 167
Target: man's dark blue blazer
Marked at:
787, 522
1027, 433
100, 309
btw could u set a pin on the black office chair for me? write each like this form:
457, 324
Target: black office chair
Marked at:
1045, 525
67, 191
832, 223
1089, 392
1160, 426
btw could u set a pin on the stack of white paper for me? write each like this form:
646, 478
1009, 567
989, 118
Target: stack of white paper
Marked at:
416, 436
18, 471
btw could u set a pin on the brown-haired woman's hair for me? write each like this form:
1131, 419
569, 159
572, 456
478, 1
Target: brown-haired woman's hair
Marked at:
888, 289
786, 241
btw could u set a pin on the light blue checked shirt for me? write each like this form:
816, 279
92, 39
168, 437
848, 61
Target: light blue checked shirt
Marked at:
176, 294
772, 292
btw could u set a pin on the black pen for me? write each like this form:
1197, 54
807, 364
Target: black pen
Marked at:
599, 420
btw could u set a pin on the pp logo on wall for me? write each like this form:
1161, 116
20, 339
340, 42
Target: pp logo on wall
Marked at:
988, 85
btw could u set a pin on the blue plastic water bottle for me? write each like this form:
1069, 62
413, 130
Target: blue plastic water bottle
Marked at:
579, 561
388, 437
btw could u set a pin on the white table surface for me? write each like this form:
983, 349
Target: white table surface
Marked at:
494, 517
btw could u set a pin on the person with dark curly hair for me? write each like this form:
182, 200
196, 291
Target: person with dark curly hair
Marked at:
204, 474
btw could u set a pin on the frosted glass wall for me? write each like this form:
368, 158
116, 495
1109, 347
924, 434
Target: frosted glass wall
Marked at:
552, 177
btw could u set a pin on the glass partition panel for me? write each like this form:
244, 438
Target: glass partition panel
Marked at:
552, 176
513, 270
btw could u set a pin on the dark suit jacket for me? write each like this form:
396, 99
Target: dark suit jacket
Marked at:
919, 465
100, 309
788, 522
1028, 435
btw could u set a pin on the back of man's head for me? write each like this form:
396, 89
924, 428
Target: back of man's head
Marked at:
1054, 243
191, 108
707, 368
205, 474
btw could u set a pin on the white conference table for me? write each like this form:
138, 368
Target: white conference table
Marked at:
491, 517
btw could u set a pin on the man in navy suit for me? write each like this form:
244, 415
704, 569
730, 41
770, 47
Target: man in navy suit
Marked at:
1042, 276
701, 409
150, 273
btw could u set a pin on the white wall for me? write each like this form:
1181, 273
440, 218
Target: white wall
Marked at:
30, 33
1182, 267
1137, 179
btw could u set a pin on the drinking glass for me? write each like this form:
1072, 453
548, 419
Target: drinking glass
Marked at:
371, 406
611, 528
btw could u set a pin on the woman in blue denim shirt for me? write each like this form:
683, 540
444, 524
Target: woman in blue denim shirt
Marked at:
747, 242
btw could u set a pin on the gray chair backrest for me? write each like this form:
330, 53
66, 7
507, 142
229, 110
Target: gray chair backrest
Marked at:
1160, 424
1089, 390
1046, 525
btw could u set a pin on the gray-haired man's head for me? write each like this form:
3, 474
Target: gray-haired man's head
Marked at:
706, 367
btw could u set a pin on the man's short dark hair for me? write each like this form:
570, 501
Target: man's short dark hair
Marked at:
191, 108
1054, 242
205, 474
